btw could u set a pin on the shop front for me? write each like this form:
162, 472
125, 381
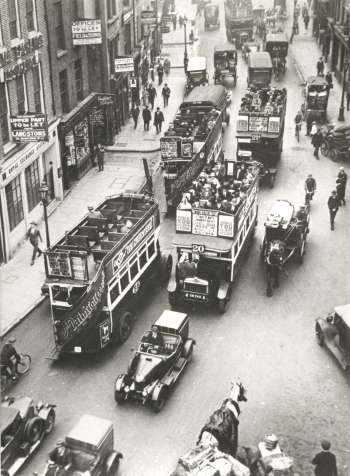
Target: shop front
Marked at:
92, 122
20, 178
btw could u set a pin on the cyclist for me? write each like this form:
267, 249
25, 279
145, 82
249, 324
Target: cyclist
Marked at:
298, 120
10, 358
310, 188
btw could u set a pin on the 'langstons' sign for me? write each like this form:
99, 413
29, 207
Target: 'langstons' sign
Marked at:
29, 128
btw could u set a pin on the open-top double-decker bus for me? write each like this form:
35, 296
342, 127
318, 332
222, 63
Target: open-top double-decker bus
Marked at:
97, 273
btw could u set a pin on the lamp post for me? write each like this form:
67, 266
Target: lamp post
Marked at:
185, 52
43, 190
341, 109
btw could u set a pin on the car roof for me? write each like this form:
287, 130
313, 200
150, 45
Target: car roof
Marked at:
213, 95
344, 312
171, 319
197, 63
316, 81
281, 37
90, 429
259, 59
8, 414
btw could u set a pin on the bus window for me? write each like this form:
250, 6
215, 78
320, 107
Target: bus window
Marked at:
151, 249
143, 259
114, 293
124, 281
134, 269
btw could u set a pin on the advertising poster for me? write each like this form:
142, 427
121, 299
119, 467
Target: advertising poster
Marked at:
86, 32
184, 220
205, 222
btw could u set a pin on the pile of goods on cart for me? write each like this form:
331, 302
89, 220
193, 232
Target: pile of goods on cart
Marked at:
336, 142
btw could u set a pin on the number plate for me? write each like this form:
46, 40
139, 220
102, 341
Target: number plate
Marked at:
196, 297
256, 137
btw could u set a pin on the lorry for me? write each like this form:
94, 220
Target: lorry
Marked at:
193, 139
260, 128
213, 231
239, 21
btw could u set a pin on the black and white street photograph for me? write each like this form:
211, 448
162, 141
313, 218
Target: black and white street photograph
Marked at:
174, 237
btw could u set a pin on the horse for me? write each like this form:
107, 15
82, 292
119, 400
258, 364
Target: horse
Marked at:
275, 258
221, 429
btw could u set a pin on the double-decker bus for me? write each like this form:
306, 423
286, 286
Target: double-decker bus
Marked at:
97, 273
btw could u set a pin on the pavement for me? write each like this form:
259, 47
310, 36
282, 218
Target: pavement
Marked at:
20, 282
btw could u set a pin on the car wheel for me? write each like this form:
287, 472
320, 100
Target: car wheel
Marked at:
125, 326
165, 267
319, 335
50, 422
33, 430
187, 351
333, 155
222, 305
158, 404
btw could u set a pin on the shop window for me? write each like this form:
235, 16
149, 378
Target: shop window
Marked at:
60, 42
30, 15
21, 98
13, 23
64, 90
33, 184
36, 89
14, 202
4, 126
78, 76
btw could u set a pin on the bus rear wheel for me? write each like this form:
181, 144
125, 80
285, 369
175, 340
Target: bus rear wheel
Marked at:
125, 326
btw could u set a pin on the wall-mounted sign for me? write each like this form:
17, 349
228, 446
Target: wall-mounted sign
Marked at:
124, 64
29, 128
148, 17
86, 32
105, 99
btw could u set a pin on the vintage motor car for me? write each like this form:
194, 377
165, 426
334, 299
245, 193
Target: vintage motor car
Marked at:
334, 332
196, 73
24, 425
259, 69
154, 369
211, 16
225, 63
91, 447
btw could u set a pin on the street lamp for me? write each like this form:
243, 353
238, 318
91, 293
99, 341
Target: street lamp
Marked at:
341, 109
43, 190
185, 52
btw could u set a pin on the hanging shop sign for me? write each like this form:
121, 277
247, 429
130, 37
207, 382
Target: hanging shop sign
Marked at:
86, 32
124, 64
29, 128
148, 17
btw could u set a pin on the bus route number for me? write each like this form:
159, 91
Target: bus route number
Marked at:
198, 248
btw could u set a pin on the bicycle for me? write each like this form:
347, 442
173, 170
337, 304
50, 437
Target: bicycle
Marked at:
22, 367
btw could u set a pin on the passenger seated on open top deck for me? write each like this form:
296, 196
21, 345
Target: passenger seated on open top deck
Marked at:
94, 213
126, 227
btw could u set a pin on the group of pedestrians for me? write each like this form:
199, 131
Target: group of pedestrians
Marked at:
337, 197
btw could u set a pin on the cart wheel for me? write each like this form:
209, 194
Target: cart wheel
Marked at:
333, 155
125, 326
50, 422
319, 335
23, 365
324, 150
158, 404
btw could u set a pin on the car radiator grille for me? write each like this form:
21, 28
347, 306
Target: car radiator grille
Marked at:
195, 287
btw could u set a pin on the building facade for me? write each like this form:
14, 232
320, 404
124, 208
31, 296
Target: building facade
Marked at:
25, 87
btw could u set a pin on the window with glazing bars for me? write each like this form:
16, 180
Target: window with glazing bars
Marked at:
33, 184
14, 202
78, 75
59, 26
36, 89
30, 15
64, 90
13, 23
4, 125
21, 98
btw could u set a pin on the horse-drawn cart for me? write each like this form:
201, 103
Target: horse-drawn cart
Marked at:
336, 143
277, 45
316, 97
286, 231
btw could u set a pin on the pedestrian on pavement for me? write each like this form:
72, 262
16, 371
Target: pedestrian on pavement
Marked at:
308, 123
174, 21
135, 111
348, 98
100, 157
329, 79
147, 116
145, 96
166, 94
33, 234
333, 206
316, 141
160, 71
158, 120
151, 70
313, 129
306, 21
320, 67
310, 188
341, 185
152, 93
325, 462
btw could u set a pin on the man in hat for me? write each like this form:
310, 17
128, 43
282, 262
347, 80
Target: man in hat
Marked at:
61, 455
100, 151
33, 234
325, 462
333, 206
341, 185
316, 141
10, 358
94, 213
